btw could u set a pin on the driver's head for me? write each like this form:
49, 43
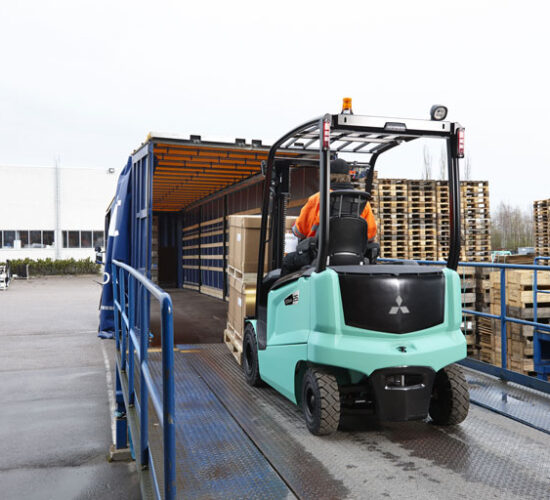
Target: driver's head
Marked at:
339, 171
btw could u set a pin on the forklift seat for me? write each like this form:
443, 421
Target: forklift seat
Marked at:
348, 241
348, 230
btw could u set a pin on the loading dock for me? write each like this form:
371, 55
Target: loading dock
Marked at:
256, 426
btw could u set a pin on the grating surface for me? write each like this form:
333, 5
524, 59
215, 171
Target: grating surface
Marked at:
488, 456
214, 458
305, 474
521, 403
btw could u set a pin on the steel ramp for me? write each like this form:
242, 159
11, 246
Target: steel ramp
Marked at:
264, 450
523, 404
214, 457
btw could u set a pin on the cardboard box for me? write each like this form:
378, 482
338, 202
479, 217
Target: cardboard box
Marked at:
242, 301
244, 241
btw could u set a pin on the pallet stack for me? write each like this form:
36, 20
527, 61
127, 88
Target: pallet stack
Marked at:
468, 326
422, 220
483, 304
413, 219
392, 211
443, 225
541, 212
476, 220
519, 304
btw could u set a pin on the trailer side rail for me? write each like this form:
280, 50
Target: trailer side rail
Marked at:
132, 292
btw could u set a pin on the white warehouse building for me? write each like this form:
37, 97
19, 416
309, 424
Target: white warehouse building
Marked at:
53, 212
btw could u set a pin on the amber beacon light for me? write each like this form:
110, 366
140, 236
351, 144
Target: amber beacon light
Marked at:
346, 106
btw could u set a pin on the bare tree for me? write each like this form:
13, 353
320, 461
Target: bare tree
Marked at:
427, 168
511, 227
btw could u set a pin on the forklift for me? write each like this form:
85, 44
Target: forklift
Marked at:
5, 275
348, 332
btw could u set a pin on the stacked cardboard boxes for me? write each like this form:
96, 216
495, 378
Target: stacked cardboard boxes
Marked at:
244, 242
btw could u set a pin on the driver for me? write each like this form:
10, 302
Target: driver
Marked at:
307, 223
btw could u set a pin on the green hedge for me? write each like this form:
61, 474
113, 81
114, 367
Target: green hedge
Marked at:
48, 267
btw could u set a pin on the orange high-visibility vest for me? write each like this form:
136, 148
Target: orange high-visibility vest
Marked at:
307, 223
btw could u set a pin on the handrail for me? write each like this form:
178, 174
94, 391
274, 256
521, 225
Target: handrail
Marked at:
539, 328
130, 292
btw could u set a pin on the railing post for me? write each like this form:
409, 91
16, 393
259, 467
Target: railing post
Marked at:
144, 393
121, 424
121, 421
503, 343
115, 309
168, 403
122, 302
131, 326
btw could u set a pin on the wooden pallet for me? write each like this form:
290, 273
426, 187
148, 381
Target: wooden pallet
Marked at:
248, 277
234, 342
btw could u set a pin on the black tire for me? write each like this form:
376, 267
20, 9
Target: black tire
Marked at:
450, 397
320, 402
250, 357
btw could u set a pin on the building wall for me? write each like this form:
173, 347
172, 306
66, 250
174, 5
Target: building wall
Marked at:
28, 203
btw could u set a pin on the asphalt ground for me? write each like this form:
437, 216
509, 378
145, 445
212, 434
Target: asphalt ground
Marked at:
55, 396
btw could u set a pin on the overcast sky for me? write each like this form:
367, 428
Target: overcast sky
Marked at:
88, 80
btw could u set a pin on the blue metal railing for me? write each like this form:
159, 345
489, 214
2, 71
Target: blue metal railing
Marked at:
539, 335
542, 366
131, 292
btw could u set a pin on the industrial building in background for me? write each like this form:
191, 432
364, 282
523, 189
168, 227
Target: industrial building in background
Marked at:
53, 211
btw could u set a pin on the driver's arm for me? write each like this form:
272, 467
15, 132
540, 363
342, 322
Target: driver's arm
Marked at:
306, 219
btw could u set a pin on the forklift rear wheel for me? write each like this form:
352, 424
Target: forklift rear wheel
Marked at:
250, 357
320, 402
450, 396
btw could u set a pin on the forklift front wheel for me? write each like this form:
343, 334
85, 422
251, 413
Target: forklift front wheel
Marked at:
450, 396
250, 357
320, 402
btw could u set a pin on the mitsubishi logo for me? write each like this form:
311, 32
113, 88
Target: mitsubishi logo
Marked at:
399, 307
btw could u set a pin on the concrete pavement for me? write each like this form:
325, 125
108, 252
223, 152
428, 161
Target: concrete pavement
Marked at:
55, 419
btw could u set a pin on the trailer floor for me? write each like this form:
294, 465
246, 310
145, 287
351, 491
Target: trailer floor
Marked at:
198, 318
234, 441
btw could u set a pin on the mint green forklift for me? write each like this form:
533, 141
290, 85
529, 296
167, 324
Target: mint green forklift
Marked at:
347, 332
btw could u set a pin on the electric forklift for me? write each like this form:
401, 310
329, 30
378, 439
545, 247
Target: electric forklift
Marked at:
348, 331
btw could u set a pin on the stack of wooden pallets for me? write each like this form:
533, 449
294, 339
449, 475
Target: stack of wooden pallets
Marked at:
468, 326
422, 220
476, 220
541, 212
443, 225
413, 219
483, 304
392, 214
519, 304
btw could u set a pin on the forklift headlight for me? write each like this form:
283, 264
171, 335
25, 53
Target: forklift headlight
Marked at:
438, 112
